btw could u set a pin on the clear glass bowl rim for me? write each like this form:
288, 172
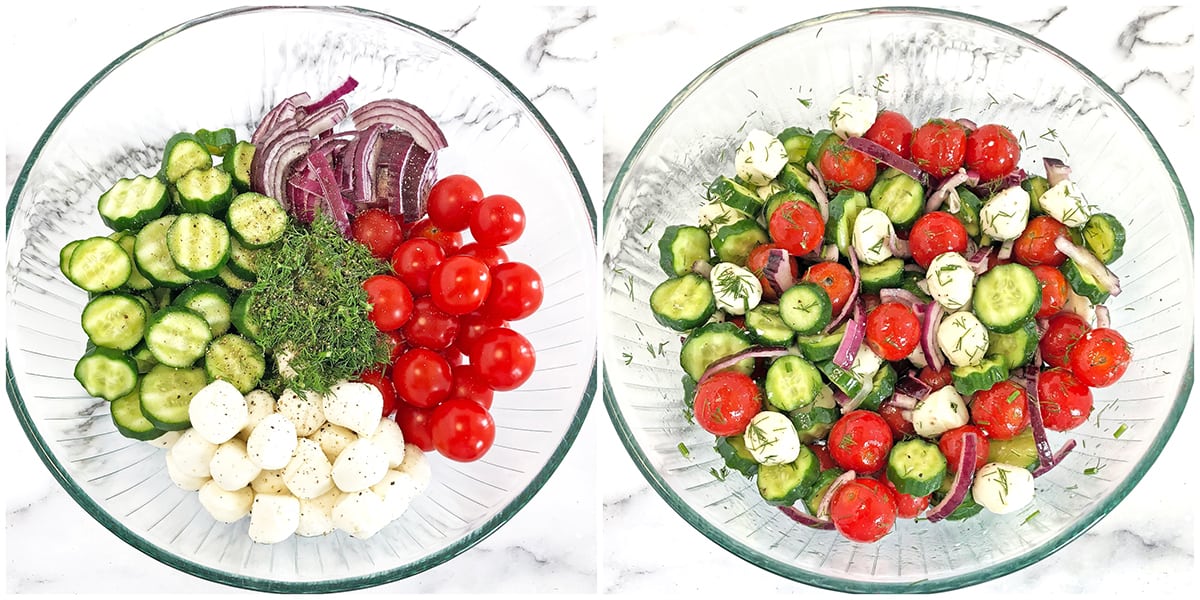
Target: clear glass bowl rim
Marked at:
268, 585
1011, 565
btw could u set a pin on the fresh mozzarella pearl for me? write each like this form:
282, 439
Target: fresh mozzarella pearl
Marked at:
963, 339
1004, 216
771, 438
1002, 488
951, 280
760, 158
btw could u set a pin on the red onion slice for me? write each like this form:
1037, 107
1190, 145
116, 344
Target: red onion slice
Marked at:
979, 261
393, 150
1006, 250
1045, 455
324, 119
404, 116
1103, 319
898, 246
985, 190
418, 177
834, 486
331, 193
702, 268
1056, 171
778, 271
904, 401
967, 124
889, 158
733, 359
1088, 263
272, 163
911, 386
829, 253
851, 342
304, 194
933, 319
902, 296
341, 90
1055, 460
854, 291
943, 191
806, 519
964, 473
816, 187
280, 117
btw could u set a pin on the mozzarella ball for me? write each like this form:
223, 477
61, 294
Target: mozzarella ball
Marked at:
712, 217
872, 234
851, 115
1065, 202
771, 438
736, 290
940, 412
866, 363
416, 464
269, 482
333, 439
1004, 216
272, 442
397, 491
316, 514
760, 158
361, 465
309, 473
260, 405
1002, 488
166, 440
305, 412
361, 514
355, 406
390, 439
951, 280
224, 505
963, 339
231, 466
181, 479
193, 454
218, 411
273, 518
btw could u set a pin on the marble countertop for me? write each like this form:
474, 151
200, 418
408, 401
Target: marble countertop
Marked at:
52, 545
1147, 54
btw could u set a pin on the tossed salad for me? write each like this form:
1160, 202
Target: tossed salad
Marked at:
882, 321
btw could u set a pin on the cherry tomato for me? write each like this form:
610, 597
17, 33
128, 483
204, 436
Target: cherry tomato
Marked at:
378, 231
725, 403
453, 356
504, 357
863, 510
938, 147
1035, 246
860, 441
516, 291
429, 327
452, 201
377, 378
992, 151
1100, 357
450, 241
936, 380
472, 326
391, 302
397, 345
894, 416
490, 255
936, 233
1065, 401
422, 377
414, 261
892, 131
462, 430
460, 285
1001, 411
823, 457
951, 445
797, 227
907, 507
835, 279
757, 261
845, 169
468, 383
1062, 331
893, 331
416, 424
498, 221
1054, 290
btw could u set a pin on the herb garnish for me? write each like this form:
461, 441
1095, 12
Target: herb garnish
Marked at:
719, 475
683, 449
627, 356
1031, 516
1120, 431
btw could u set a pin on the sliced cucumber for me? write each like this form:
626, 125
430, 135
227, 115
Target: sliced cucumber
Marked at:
709, 344
683, 303
1036, 186
243, 261
199, 245
680, 247
115, 321
812, 501
99, 265
796, 141
204, 191
882, 386
1020, 451
777, 199
735, 196
131, 203
256, 220
821, 347
734, 242
237, 163
211, 301
814, 421
1104, 235
127, 416
843, 210
1016, 348
177, 336
792, 383
990, 371
794, 178
64, 259
786, 484
737, 457
820, 139
806, 308
1007, 297
916, 467
237, 360
968, 212
217, 142
899, 196
887, 274
126, 240
1083, 283
143, 358
232, 281
183, 153
846, 380
767, 327
106, 373
166, 394
154, 258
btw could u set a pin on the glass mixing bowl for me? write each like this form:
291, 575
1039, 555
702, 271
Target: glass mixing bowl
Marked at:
938, 63
180, 80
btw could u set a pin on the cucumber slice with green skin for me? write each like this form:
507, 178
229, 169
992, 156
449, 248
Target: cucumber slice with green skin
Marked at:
806, 308
99, 265
909, 282
232, 281
683, 303
814, 421
177, 336
843, 379
154, 258
244, 319
243, 261
237, 360
689, 391
166, 394
899, 196
990, 371
211, 301
709, 344
794, 178
137, 281
916, 467
1007, 297
237, 163
127, 416
115, 321
143, 358
787, 484
1016, 348
206, 191
183, 153
796, 140
792, 383
217, 142
968, 212
966, 510
256, 220
1104, 236
199, 245
131, 203
882, 387
1083, 284
1036, 186
1020, 451
812, 501
843, 210
821, 347
767, 327
734, 242
680, 247
735, 196
159, 298
820, 139
887, 274
737, 457
64, 259
106, 373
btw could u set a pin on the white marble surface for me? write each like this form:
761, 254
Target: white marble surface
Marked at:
1146, 545
52, 545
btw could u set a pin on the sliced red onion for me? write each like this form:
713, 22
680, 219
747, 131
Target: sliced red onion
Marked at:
933, 319
324, 119
943, 191
829, 253
304, 194
1088, 263
778, 271
913, 387
923, 286
1103, 319
889, 158
1006, 250
834, 486
967, 124
806, 519
420, 173
870, 302
986, 190
953, 201
331, 193
1056, 171
272, 163
404, 116
1036, 423
1058, 457
394, 148
854, 290
856, 330
816, 186
363, 164
733, 359
904, 401
913, 268
840, 398
341, 90
964, 473
902, 296
280, 117
702, 268
979, 261
898, 246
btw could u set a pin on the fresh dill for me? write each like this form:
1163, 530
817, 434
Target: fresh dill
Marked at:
1031, 516
994, 101
1096, 469
629, 286
648, 226
719, 475
650, 349
1050, 134
628, 357
881, 83
1120, 431
661, 349
807, 102
683, 450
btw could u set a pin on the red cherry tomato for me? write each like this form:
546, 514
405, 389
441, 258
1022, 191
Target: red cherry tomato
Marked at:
450, 241
516, 291
504, 357
1001, 411
490, 255
381, 382
936, 233
391, 302
452, 201
823, 457
1066, 402
1062, 331
725, 403
397, 345
936, 380
429, 327
1100, 357
453, 356
938, 147
1035, 246
894, 416
1054, 290
860, 441
797, 227
460, 284
893, 331
416, 424
951, 445
498, 221
378, 231
414, 261
863, 510
892, 131
471, 327
992, 151
757, 261
468, 383
845, 169
462, 430
835, 279
422, 377
907, 507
